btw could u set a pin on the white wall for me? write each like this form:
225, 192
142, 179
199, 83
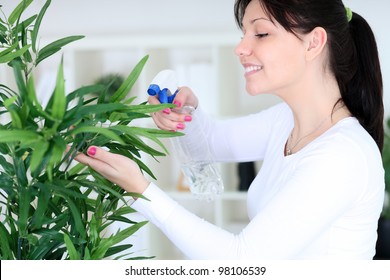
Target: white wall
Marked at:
128, 17
95, 17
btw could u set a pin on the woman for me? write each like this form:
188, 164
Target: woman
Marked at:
320, 190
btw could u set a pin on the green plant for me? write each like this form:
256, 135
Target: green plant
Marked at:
113, 83
52, 207
386, 165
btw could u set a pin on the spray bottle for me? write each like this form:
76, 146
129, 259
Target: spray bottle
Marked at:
202, 175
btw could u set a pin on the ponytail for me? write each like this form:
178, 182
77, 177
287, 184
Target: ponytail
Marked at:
363, 94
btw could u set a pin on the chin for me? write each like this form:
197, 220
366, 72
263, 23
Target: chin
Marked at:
253, 91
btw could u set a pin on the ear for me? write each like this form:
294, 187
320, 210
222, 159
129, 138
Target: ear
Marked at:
316, 41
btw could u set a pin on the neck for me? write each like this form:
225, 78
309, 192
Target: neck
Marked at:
314, 113
311, 100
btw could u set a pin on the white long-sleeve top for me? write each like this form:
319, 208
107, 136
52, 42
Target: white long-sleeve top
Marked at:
322, 202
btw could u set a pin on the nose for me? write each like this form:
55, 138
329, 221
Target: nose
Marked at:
243, 48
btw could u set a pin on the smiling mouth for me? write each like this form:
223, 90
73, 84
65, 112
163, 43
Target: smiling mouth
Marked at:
251, 69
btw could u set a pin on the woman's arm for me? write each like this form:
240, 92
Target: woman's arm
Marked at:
315, 196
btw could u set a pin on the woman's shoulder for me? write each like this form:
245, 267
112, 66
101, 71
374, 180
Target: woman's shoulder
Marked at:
350, 133
349, 141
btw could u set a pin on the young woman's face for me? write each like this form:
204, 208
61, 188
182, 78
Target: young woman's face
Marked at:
274, 59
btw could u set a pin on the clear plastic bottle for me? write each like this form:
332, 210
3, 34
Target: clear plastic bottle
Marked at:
202, 176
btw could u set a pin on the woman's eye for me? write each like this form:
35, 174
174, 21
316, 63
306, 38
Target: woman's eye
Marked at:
261, 35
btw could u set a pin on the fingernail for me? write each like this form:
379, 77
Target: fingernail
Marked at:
188, 118
91, 151
167, 111
177, 103
180, 126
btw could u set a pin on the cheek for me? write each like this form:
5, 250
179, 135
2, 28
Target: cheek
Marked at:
285, 65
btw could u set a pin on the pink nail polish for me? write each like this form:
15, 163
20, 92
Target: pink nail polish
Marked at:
91, 151
188, 118
167, 111
180, 126
177, 103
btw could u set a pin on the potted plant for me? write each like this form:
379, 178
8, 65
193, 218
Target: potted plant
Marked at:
383, 243
50, 206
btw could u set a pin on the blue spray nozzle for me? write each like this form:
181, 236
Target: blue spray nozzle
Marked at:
163, 95
163, 85
153, 89
172, 96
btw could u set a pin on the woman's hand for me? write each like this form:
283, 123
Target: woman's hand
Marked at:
117, 168
171, 119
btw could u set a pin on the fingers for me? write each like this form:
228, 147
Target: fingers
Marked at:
174, 119
96, 164
103, 161
117, 168
185, 96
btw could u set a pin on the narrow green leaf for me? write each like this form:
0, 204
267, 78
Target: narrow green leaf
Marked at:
139, 144
32, 97
16, 13
107, 243
23, 26
37, 25
147, 133
7, 166
42, 56
79, 226
3, 29
57, 152
59, 99
5, 249
99, 109
42, 205
99, 130
9, 49
117, 249
54, 47
129, 82
45, 246
93, 227
73, 254
19, 78
123, 234
20, 172
144, 167
77, 169
161, 133
38, 152
87, 254
10, 56
13, 111
24, 207
120, 219
12, 136
149, 108
124, 211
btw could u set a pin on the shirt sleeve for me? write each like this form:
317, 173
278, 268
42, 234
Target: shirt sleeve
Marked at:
318, 193
233, 140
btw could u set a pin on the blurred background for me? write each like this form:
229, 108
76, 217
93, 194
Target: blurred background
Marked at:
197, 40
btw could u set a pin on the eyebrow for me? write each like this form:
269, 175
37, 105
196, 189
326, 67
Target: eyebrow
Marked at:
256, 19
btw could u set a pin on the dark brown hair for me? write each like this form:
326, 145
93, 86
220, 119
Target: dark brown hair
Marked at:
353, 53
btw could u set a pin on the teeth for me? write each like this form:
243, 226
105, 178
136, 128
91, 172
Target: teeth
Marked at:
253, 68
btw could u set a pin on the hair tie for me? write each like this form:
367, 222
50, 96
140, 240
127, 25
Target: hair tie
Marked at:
349, 13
